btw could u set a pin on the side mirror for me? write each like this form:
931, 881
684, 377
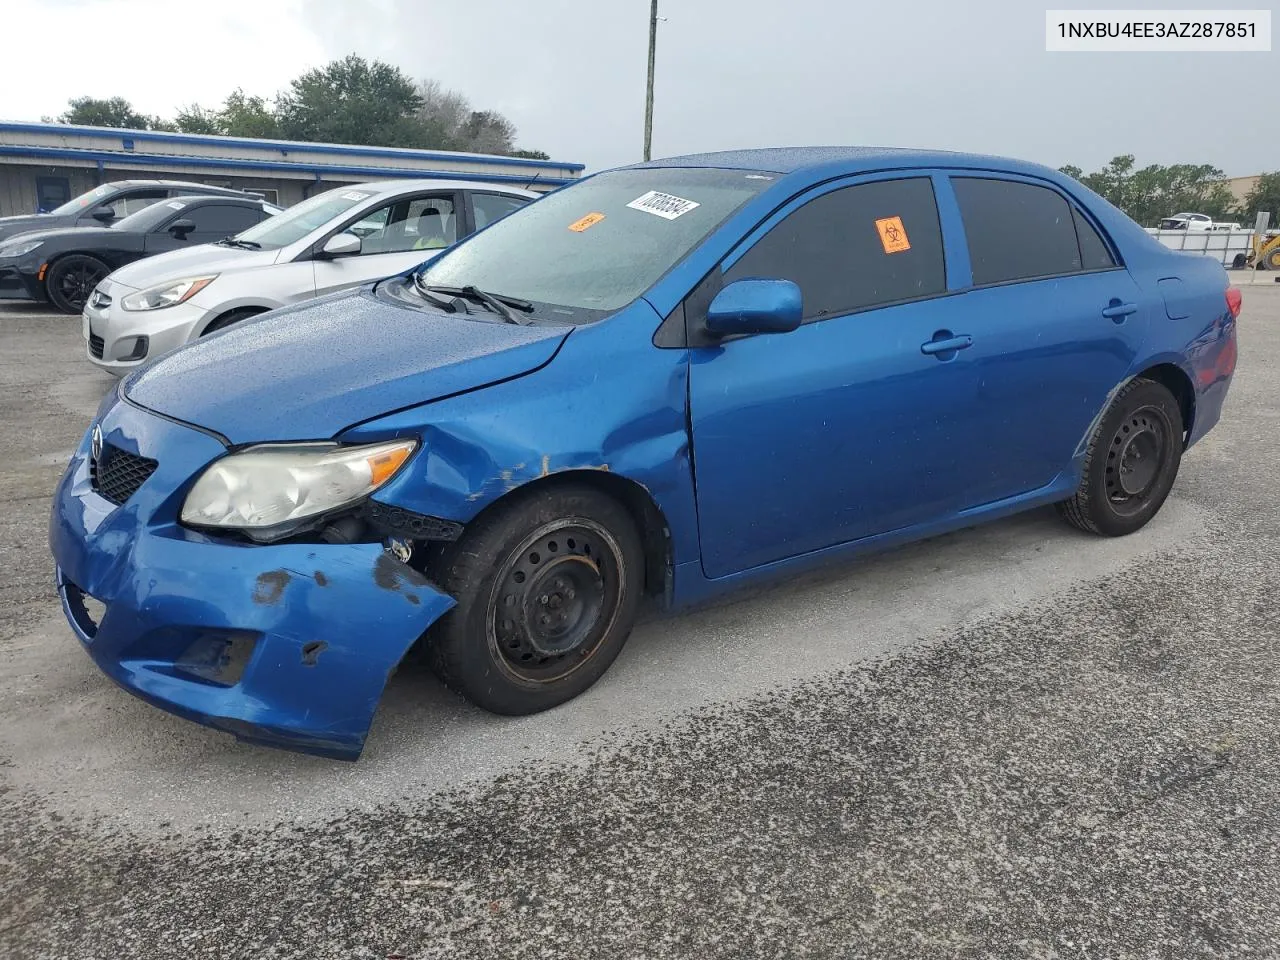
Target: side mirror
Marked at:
341, 245
180, 228
755, 306
103, 214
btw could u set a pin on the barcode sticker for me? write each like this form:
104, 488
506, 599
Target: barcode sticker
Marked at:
662, 205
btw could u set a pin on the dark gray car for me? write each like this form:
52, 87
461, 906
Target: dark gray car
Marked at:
102, 206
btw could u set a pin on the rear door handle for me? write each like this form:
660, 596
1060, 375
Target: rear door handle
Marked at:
948, 345
1117, 311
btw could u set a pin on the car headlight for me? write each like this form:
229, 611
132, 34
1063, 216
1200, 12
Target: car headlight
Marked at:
273, 484
166, 294
19, 249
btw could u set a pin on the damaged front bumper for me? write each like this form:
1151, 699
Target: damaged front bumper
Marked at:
288, 645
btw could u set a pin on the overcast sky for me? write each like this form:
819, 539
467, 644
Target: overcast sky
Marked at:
730, 73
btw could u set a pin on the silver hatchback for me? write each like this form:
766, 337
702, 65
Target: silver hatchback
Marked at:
340, 238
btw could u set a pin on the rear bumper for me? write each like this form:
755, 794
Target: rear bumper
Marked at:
287, 645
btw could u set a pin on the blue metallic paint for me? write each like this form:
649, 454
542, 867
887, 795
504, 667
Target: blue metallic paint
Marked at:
838, 438
755, 306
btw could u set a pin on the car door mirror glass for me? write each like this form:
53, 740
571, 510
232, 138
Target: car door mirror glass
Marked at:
342, 245
755, 306
180, 228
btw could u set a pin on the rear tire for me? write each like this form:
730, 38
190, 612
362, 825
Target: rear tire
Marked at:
1272, 259
71, 280
547, 589
1131, 463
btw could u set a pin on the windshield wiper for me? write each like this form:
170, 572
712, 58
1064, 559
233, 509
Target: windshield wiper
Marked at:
450, 304
243, 244
497, 302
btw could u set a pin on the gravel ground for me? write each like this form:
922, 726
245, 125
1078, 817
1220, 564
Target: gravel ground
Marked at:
1012, 742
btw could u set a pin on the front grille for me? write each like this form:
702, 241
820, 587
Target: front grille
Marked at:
118, 474
96, 345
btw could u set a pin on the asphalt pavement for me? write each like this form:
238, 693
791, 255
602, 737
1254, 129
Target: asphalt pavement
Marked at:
1013, 741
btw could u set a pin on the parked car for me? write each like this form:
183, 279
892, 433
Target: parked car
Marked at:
104, 205
337, 239
661, 382
63, 266
1193, 222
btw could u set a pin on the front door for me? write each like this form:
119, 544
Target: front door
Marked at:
393, 238
846, 427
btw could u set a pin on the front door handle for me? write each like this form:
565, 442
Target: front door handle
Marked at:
945, 342
1117, 311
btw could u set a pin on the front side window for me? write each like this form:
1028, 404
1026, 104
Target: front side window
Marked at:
596, 245
130, 203
223, 219
418, 223
305, 217
856, 247
1016, 231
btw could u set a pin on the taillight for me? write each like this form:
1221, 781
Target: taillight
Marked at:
1233, 301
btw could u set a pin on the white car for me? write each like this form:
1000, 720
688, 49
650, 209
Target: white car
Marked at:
340, 238
1187, 221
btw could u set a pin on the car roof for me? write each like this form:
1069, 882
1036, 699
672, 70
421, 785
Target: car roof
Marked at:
199, 199
381, 187
796, 159
204, 187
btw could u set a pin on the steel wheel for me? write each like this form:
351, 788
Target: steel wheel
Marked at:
554, 600
1135, 457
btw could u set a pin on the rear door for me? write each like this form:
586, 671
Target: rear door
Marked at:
394, 237
1056, 323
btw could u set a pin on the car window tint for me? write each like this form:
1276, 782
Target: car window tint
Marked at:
869, 244
224, 219
1016, 231
1094, 254
420, 223
489, 207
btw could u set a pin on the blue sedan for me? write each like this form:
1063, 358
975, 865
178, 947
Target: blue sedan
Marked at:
656, 385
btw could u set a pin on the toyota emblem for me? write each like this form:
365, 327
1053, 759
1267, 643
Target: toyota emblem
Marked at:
95, 444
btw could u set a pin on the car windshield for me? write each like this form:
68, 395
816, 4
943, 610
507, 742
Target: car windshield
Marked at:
296, 222
598, 244
85, 200
150, 216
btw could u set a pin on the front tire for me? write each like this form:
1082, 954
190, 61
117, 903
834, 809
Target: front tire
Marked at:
71, 280
547, 589
1131, 463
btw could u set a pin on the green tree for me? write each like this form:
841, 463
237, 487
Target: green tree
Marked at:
196, 119
113, 112
352, 101
531, 154
1265, 195
246, 116
1154, 192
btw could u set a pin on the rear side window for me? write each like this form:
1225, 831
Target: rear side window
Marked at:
1094, 254
489, 207
856, 247
1016, 231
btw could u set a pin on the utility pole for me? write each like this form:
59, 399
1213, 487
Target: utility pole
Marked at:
648, 93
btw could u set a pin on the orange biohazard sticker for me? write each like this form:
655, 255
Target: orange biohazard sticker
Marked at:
893, 235
590, 220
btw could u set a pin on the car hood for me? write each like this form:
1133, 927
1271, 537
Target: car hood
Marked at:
12, 226
308, 372
192, 261
87, 234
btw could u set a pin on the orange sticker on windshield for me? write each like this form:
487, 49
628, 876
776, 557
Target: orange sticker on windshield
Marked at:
893, 235
590, 220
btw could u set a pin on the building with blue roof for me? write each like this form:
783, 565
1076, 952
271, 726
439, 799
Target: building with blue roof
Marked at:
42, 165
